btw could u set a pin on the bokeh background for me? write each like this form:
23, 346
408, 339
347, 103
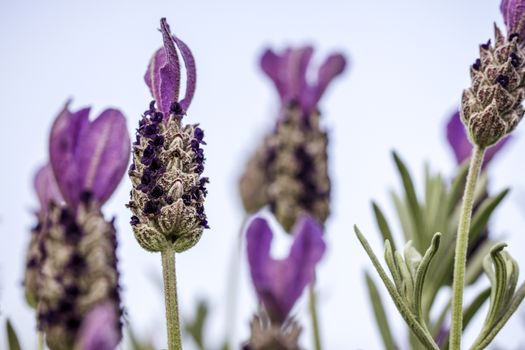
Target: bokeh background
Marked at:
409, 64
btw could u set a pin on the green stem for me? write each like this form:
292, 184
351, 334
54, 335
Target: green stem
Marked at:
233, 288
460, 260
313, 314
40, 341
170, 295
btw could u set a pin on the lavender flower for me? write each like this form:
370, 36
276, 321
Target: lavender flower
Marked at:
460, 144
98, 329
167, 199
514, 16
491, 108
78, 267
279, 283
289, 171
47, 192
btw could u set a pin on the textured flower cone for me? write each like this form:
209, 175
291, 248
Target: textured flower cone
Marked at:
268, 336
298, 180
491, 107
253, 182
78, 272
33, 261
168, 191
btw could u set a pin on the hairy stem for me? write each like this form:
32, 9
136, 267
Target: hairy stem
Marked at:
170, 296
313, 314
460, 260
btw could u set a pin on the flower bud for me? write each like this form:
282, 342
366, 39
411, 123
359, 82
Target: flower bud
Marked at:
491, 108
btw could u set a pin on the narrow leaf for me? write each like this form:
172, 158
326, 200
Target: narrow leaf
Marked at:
481, 218
383, 225
12, 338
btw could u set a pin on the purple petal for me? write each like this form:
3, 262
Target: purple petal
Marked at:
271, 64
279, 283
46, 187
191, 73
333, 66
66, 131
460, 144
514, 16
99, 330
103, 154
88, 156
295, 70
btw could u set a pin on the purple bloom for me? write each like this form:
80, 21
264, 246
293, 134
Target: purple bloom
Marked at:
100, 329
458, 140
163, 73
514, 16
279, 283
88, 155
46, 187
289, 69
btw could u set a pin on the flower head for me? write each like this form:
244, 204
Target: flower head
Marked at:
288, 70
460, 144
279, 283
167, 199
514, 16
491, 108
88, 156
100, 329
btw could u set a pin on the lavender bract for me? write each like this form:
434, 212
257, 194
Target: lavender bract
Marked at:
460, 144
514, 16
89, 155
289, 171
167, 199
98, 329
279, 283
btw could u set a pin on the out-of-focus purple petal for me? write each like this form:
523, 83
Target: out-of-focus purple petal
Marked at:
460, 144
66, 132
295, 71
514, 16
99, 330
88, 156
191, 73
46, 187
333, 66
271, 64
103, 153
279, 283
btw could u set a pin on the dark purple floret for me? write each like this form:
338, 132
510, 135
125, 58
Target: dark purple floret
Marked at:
132, 167
486, 45
199, 168
72, 291
151, 207
204, 223
169, 200
137, 140
149, 151
151, 130
155, 165
200, 209
195, 144
198, 133
514, 35
176, 109
156, 192
477, 64
503, 80
186, 199
134, 220
158, 141
146, 178
515, 60
76, 262
157, 117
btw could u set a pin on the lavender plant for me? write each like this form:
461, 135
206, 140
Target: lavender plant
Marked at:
167, 197
491, 108
72, 264
279, 283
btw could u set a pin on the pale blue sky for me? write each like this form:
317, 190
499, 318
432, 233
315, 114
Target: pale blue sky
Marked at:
409, 64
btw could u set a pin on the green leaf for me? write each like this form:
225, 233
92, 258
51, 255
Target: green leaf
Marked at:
457, 188
383, 225
380, 315
411, 197
12, 338
195, 328
421, 274
421, 333
483, 213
